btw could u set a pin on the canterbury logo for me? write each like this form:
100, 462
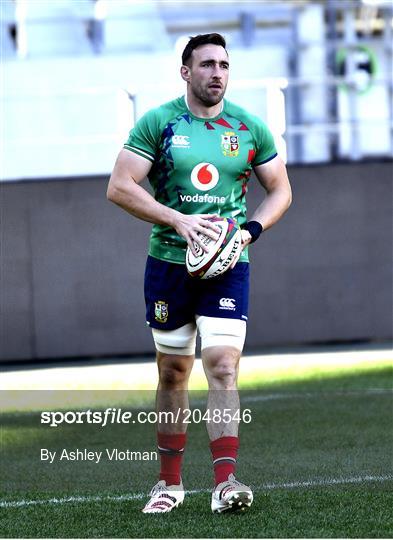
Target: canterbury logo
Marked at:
227, 303
180, 140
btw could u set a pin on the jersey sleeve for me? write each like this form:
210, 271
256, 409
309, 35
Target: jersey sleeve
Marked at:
143, 137
265, 149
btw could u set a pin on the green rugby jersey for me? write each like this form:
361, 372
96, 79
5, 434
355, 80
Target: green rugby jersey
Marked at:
199, 165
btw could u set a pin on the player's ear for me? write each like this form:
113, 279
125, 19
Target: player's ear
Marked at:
185, 73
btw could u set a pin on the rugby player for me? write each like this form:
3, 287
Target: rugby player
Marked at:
198, 152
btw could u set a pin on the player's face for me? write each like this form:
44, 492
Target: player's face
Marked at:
208, 74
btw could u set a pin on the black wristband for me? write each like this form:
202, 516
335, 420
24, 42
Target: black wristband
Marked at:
255, 229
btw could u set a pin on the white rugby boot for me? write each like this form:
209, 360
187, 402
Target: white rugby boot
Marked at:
231, 496
164, 498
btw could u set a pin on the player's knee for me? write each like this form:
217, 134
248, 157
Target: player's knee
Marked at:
174, 375
221, 366
224, 374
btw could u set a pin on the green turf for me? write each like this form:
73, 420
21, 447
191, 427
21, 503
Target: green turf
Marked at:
307, 430
360, 511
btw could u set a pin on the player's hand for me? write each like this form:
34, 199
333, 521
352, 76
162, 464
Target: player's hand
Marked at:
189, 226
246, 239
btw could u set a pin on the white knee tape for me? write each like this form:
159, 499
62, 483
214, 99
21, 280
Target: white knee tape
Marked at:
179, 341
215, 331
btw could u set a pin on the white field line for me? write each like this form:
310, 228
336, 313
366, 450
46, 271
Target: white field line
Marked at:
319, 395
138, 496
276, 396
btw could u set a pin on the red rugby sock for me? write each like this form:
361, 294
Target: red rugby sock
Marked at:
171, 448
224, 452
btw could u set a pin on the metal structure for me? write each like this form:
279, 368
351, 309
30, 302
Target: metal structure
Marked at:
330, 49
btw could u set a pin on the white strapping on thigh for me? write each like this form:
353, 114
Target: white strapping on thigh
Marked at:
217, 331
180, 341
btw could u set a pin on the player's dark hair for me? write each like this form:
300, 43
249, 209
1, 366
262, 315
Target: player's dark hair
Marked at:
201, 39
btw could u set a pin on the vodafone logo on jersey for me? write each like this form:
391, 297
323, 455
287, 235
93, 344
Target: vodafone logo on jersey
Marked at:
205, 176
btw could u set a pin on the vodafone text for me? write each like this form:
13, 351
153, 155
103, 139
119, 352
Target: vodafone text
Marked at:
118, 416
202, 198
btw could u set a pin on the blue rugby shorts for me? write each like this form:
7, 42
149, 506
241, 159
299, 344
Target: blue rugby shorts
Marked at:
173, 298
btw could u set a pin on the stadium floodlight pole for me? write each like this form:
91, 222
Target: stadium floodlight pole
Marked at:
331, 12
132, 97
388, 42
351, 40
294, 91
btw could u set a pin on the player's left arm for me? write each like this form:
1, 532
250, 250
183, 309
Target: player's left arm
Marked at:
274, 179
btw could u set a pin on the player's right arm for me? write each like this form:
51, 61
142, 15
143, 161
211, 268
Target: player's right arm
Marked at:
124, 190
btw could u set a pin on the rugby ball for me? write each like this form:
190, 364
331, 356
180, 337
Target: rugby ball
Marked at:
220, 254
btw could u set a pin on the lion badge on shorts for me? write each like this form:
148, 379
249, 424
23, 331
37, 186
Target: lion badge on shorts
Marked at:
161, 311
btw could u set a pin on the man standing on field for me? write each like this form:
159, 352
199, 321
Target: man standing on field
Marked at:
198, 152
